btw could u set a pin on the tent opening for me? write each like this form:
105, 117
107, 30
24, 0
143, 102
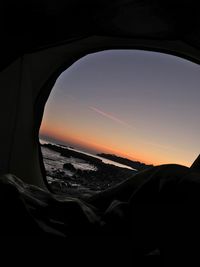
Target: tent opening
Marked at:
117, 112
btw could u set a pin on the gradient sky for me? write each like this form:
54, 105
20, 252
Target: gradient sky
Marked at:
137, 104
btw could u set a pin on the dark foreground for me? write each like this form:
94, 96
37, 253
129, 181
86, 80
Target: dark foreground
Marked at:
159, 216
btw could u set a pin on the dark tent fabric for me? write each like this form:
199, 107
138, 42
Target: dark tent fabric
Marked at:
33, 25
53, 21
161, 215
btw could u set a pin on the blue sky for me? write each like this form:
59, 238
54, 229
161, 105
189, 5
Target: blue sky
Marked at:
139, 104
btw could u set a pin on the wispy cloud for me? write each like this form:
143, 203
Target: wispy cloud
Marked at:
110, 116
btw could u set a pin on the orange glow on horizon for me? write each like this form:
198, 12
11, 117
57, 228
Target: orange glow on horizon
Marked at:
96, 146
99, 146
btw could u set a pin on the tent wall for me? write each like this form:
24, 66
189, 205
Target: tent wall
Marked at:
9, 88
25, 82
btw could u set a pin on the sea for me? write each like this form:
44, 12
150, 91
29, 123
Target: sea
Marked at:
53, 161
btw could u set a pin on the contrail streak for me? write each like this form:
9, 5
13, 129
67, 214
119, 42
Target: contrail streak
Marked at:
111, 117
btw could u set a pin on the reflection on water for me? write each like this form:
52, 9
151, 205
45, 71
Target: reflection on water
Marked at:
106, 161
53, 161
80, 164
74, 175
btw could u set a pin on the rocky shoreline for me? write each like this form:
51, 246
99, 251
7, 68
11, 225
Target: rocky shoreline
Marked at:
85, 181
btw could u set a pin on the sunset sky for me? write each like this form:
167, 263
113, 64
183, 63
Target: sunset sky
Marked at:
137, 104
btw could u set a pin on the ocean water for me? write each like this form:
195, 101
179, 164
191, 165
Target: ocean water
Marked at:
77, 163
106, 161
54, 162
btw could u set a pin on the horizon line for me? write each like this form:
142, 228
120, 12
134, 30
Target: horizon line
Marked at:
91, 148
